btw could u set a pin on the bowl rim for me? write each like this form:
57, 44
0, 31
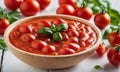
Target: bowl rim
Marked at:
8, 30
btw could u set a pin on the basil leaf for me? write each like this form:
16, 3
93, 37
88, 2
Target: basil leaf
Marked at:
14, 14
115, 16
45, 31
3, 44
62, 27
79, 2
1, 11
57, 36
98, 67
53, 28
107, 31
96, 9
12, 19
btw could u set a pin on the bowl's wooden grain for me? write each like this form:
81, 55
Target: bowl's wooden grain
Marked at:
46, 61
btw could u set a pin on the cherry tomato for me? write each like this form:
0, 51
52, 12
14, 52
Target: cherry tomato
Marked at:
65, 36
83, 36
102, 49
4, 23
44, 23
58, 21
73, 40
114, 56
72, 25
71, 2
48, 49
114, 38
73, 46
102, 20
44, 3
12, 4
38, 44
84, 12
27, 37
73, 33
65, 51
15, 34
29, 7
25, 29
65, 9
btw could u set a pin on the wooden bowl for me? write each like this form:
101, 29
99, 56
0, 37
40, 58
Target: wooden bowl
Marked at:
47, 61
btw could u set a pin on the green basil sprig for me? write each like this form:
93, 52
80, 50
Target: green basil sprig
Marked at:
54, 31
3, 45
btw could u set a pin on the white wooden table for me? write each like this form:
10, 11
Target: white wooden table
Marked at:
9, 63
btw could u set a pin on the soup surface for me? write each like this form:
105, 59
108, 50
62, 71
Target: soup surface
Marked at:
52, 36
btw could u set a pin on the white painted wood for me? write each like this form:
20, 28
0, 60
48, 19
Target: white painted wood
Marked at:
12, 64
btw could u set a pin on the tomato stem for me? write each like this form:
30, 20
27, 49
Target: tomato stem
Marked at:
103, 11
117, 49
118, 31
84, 4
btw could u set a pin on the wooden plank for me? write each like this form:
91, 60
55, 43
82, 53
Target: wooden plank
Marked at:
12, 64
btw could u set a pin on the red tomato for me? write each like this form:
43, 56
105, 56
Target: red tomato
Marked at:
114, 38
71, 2
88, 29
48, 49
114, 56
12, 4
38, 44
27, 37
65, 36
15, 34
83, 36
65, 9
72, 25
36, 29
102, 49
65, 51
29, 7
102, 20
58, 21
4, 23
84, 12
44, 23
73, 40
25, 29
73, 46
82, 44
44, 3
89, 41
73, 33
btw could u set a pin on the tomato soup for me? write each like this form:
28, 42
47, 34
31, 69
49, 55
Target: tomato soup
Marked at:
53, 36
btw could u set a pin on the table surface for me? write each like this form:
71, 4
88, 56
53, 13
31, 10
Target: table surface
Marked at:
9, 63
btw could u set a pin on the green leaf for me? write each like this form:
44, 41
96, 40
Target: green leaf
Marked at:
3, 44
53, 28
62, 27
107, 31
14, 14
115, 16
57, 36
1, 11
96, 9
98, 67
45, 31
79, 2
12, 19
